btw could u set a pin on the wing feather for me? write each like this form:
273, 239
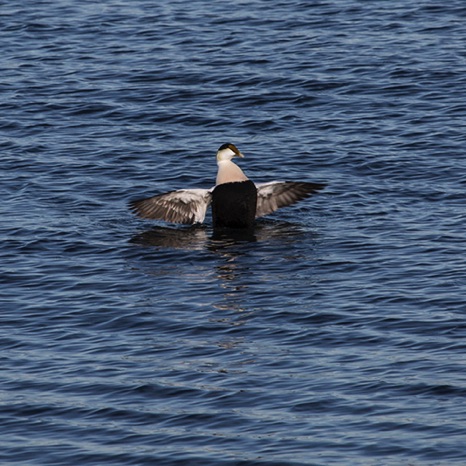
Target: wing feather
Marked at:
182, 206
271, 196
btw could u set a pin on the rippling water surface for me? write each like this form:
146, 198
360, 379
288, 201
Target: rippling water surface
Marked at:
335, 335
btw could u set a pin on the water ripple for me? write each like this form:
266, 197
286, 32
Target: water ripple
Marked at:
332, 335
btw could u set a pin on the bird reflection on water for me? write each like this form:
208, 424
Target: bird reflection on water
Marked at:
191, 239
199, 237
235, 261
226, 263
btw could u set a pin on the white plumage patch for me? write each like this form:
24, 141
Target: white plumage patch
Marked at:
229, 172
182, 206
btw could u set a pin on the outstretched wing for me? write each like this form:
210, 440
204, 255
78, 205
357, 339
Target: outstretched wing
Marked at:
181, 206
271, 196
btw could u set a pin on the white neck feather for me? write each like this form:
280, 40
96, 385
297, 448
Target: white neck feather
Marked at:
229, 172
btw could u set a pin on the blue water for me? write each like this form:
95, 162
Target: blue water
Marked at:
334, 336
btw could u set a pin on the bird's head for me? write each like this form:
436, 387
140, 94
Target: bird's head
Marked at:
227, 152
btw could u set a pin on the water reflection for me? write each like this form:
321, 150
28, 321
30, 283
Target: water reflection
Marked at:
229, 270
192, 239
201, 237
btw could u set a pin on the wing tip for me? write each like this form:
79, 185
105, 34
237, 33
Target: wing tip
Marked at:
311, 187
135, 206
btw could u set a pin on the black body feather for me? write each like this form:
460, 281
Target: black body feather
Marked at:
234, 205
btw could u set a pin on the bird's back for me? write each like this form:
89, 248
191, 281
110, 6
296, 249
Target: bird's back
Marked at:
234, 205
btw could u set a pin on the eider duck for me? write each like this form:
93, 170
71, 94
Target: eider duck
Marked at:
236, 201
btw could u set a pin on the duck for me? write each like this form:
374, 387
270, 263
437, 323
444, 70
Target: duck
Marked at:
236, 201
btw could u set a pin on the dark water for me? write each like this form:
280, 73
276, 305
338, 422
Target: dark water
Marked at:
335, 335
